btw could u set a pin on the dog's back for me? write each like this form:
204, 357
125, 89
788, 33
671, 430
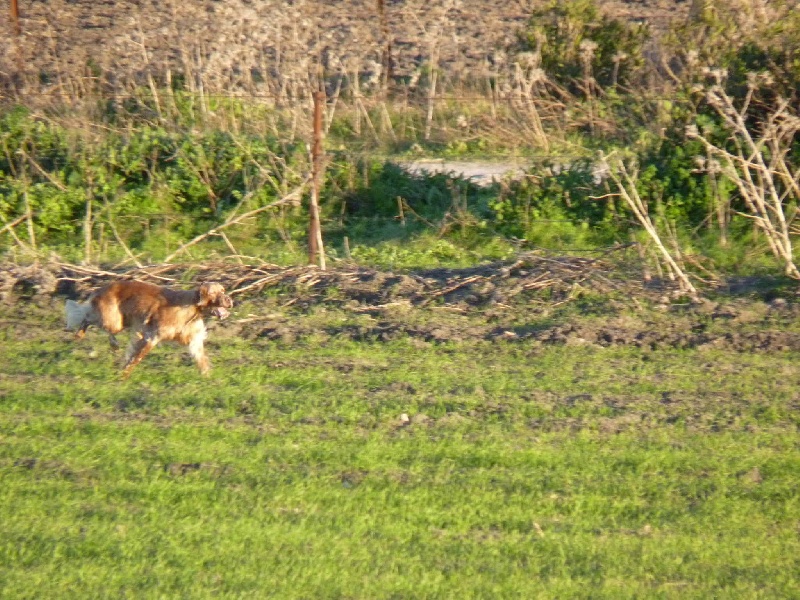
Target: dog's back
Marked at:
115, 306
127, 304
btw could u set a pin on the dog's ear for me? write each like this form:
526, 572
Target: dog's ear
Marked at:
206, 293
210, 292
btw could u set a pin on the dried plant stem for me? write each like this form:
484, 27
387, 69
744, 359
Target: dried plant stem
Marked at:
363, 110
386, 121
722, 207
759, 170
87, 225
10, 228
42, 172
315, 244
331, 112
150, 82
234, 251
29, 218
626, 183
354, 82
434, 71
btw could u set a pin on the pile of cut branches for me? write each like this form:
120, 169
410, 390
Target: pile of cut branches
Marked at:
530, 277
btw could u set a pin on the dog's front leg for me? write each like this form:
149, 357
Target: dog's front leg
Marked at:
198, 351
114, 343
139, 349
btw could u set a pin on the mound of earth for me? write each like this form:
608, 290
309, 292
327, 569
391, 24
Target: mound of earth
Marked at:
537, 299
494, 284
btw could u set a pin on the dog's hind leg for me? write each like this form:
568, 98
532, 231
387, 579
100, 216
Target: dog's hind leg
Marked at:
138, 350
112, 340
81, 333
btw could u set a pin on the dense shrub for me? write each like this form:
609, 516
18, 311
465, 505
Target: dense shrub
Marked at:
575, 40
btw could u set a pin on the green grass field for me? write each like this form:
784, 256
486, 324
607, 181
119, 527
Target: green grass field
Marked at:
524, 471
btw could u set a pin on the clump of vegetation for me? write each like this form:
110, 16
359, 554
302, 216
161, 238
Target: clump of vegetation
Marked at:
583, 49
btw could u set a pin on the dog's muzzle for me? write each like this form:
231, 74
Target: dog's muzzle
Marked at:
221, 311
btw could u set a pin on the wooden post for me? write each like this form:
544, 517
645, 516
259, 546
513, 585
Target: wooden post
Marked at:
316, 251
386, 54
17, 30
15, 18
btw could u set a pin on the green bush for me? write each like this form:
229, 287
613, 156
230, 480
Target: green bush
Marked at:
740, 43
565, 33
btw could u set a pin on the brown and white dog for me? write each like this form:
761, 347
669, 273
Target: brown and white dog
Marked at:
155, 314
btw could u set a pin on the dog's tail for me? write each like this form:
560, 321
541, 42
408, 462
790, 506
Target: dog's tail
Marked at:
77, 313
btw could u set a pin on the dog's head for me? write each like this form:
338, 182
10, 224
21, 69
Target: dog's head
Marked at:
214, 300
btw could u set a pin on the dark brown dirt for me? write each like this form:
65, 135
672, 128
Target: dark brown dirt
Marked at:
677, 332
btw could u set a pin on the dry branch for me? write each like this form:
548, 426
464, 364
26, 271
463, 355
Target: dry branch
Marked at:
234, 220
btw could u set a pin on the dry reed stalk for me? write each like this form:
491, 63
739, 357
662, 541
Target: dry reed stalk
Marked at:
433, 61
315, 244
721, 206
88, 223
363, 110
526, 79
386, 120
626, 183
759, 167
355, 94
331, 112
150, 81
29, 219
117, 236
9, 227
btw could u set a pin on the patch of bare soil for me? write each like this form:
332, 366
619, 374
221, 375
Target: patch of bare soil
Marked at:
677, 333
482, 173
538, 298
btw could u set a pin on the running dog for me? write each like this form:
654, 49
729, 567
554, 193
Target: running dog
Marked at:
154, 314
